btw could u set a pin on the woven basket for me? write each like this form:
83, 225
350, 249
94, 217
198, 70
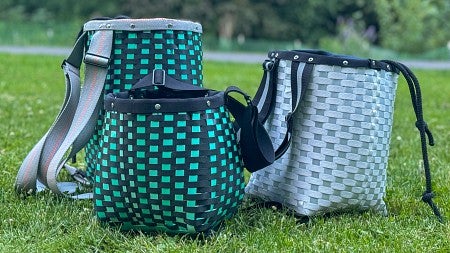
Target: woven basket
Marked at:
116, 54
340, 135
168, 164
139, 46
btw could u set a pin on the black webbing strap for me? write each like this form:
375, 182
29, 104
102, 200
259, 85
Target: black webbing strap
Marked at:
256, 147
416, 98
302, 73
159, 78
266, 95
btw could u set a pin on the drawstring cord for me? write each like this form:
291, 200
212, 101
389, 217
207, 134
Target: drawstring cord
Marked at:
416, 98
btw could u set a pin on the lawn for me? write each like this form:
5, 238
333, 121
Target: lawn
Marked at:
32, 89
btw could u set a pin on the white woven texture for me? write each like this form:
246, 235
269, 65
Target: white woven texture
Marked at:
338, 158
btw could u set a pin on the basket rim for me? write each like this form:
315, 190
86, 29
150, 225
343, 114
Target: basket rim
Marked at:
143, 25
122, 103
320, 57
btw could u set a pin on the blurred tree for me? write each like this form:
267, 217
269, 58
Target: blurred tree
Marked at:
47, 11
319, 19
222, 18
413, 26
422, 23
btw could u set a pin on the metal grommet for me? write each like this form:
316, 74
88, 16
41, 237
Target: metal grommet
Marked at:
374, 63
272, 54
132, 25
157, 106
345, 63
388, 67
108, 26
310, 59
276, 55
296, 57
170, 25
112, 105
208, 103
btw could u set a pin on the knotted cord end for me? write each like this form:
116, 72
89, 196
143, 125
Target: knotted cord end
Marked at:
423, 126
427, 197
430, 136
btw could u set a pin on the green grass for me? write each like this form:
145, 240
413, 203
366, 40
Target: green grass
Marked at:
32, 89
29, 33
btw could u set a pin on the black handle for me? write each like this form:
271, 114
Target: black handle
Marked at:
256, 147
159, 78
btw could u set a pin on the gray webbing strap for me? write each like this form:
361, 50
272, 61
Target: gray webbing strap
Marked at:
74, 123
300, 86
266, 95
26, 180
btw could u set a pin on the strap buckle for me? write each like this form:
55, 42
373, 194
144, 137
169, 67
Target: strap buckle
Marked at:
269, 64
159, 77
96, 60
78, 175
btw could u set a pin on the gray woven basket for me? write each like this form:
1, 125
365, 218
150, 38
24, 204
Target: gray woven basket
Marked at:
340, 135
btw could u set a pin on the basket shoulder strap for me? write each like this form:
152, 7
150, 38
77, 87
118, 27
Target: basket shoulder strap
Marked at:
266, 94
27, 178
300, 77
44, 162
256, 147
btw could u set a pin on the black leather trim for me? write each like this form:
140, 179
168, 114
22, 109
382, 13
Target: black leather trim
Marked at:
121, 102
327, 58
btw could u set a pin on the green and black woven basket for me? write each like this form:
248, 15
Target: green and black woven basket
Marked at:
170, 162
139, 46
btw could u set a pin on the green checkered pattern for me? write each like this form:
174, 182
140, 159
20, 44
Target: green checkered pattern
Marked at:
136, 54
172, 172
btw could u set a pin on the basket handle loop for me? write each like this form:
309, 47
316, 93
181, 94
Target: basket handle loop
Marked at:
159, 78
266, 95
256, 147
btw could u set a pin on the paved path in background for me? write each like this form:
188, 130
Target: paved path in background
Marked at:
209, 55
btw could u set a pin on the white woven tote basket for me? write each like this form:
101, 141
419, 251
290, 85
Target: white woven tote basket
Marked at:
338, 112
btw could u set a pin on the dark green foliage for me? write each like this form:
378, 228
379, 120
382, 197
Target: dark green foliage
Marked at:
333, 24
423, 25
